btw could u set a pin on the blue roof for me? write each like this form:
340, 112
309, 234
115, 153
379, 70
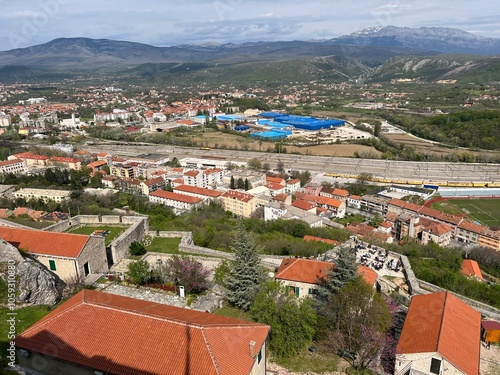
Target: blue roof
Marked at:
303, 122
230, 117
272, 134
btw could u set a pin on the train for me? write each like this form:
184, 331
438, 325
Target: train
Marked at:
424, 183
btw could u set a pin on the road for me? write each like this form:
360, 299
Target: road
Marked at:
387, 169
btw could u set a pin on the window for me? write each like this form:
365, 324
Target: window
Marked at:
259, 356
435, 365
312, 291
52, 265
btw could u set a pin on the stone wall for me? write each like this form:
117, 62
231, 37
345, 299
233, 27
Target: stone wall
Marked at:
411, 280
94, 253
7, 223
111, 219
86, 219
136, 232
61, 226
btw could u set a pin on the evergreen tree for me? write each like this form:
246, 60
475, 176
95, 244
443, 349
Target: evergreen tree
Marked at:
342, 273
240, 184
232, 184
245, 274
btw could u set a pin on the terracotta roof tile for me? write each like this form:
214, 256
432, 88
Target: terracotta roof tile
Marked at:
175, 196
198, 190
303, 204
46, 243
125, 336
234, 194
471, 268
440, 322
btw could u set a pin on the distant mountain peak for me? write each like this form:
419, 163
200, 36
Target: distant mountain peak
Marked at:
368, 30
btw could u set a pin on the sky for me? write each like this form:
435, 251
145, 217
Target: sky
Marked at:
166, 22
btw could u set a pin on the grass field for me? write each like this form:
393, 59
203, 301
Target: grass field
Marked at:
113, 231
164, 245
485, 211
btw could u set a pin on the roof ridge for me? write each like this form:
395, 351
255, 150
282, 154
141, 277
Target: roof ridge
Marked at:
442, 321
210, 352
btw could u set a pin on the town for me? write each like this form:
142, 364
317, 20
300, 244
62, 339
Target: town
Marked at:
364, 219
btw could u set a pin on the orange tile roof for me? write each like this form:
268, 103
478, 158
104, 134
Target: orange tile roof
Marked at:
319, 239
303, 204
45, 243
153, 181
64, 160
311, 271
471, 268
397, 202
10, 162
280, 197
355, 197
303, 270
440, 322
192, 173
126, 336
28, 155
243, 197
293, 182
368, 274
98, 163
340, 192
471, 227
275, 180
273, 186
198, 190
175, 196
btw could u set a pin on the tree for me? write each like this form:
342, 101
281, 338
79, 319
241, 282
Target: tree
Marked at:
364, 177
232, 184
246, 273
377, 128
280, 166
139, 272
342, 273
357, 320
240, 184
254, 163
266, 167
185, 271
293, 321
248, 185
137, 248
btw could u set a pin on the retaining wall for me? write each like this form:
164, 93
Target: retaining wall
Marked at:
136, 232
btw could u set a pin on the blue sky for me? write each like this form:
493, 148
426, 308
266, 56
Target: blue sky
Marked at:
166, 23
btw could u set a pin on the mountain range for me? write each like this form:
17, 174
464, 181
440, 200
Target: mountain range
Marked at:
377, 53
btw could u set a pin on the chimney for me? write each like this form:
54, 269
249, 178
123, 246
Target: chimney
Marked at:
252, 349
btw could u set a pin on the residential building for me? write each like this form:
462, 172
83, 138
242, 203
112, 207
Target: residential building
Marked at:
354, 201
375, 204
204, 178
292, 186
65, 162
193, 191
441, 334
130, 185
239, 203
180, 202
274, 210
31, 160
301, 276
153, 184
15, 166
45, 194
275, 189
97, 166
72, 257
304, 205
368, 233
275, 180
100, 333
478, 234
122, 170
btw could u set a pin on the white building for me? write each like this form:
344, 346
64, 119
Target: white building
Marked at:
179, 202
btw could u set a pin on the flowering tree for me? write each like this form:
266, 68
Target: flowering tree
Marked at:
185, 271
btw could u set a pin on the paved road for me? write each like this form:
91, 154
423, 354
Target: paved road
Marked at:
409, 170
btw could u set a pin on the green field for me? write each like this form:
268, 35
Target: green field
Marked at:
485, 211
114, 231
164, 245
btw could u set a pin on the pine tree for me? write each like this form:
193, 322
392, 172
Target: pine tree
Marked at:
343, 272
246, 273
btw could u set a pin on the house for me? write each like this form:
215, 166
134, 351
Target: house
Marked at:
122, 170
301, 276
470, 268
97, 166
15, 166
30, 159
274, 210
368, 233
72, 257
275, 189
153, 184
354, 201
65, 162
179, 202
193, 191
292, 186
239, 203
99, 333
490, 331
275, 180
441, 334
304, 205
43, 194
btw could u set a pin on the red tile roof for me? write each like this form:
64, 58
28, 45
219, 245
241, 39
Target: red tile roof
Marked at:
319, 239
28, 155
275, 180
303, 205
273, 186
125, 336
192, 173
303, 270
440, 322
311, 271
490, 325
154, 181
368, 274
293, 182
64, 160
198, 190
10, 162
175, 196
397, 202
471, 268
45, 243
243, 197
340, 192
